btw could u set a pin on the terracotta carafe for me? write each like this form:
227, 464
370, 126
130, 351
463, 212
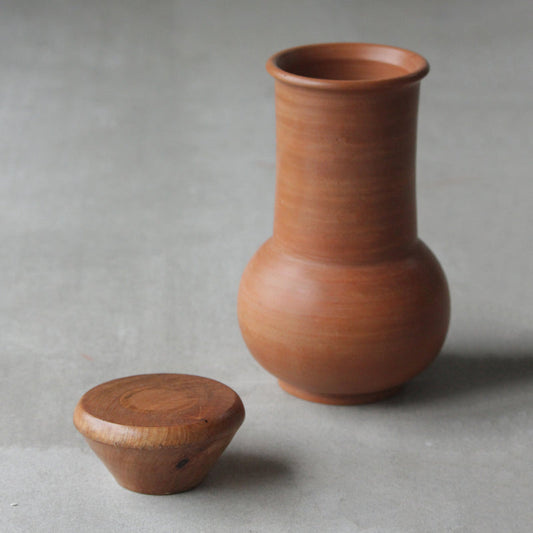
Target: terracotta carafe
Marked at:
344, 303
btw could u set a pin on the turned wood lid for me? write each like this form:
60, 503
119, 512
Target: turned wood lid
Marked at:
158, 410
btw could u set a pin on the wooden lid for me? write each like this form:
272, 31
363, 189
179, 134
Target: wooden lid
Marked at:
158, 410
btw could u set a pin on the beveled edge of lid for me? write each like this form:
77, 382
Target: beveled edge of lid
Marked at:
149, 437
416, 66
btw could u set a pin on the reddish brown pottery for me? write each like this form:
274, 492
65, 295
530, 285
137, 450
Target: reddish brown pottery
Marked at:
344, 303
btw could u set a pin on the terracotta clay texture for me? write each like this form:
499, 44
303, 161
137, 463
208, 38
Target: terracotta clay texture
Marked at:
344, 303
159, 433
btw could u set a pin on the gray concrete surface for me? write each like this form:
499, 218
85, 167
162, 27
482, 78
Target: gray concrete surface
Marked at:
137, 179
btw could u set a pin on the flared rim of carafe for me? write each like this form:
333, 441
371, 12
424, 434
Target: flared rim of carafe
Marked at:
347, 65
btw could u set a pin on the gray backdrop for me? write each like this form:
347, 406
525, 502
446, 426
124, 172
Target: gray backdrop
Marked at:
136, 180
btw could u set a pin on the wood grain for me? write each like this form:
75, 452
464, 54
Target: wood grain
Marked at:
344, 303
159, 433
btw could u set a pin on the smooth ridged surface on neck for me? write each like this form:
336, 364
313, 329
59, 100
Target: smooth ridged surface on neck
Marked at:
346, 173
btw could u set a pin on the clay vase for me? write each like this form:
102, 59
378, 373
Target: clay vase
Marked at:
344, 303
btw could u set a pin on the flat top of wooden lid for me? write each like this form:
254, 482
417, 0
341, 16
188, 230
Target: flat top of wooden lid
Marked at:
158, 410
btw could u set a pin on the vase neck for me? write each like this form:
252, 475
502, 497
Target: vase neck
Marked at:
345, 184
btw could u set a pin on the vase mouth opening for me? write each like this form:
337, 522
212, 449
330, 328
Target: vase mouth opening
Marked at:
347, 66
